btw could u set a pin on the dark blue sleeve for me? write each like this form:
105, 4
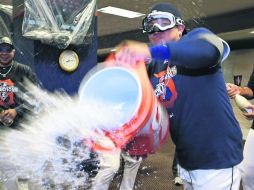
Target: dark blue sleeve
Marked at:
194, 54
200, 48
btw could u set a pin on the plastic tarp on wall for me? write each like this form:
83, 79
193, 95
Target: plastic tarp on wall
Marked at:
43, 58
5, 20
59, 22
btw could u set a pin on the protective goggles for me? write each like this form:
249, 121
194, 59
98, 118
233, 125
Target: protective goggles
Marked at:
6, 48
160, 21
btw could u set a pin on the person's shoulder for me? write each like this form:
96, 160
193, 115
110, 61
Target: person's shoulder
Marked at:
199, 31
21, 65
22, 68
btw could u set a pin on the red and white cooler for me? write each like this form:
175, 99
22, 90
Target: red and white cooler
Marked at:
144, 126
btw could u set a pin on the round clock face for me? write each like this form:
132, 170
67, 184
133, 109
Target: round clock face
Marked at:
68, 60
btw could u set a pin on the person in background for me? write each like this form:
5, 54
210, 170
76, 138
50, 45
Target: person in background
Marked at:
12, 78
204, 129
109, 165
248, 161
175, 171
12, 105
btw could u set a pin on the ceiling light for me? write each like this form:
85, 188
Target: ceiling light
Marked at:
252, 32
120, 12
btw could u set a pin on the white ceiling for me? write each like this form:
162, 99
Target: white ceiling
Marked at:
191, 9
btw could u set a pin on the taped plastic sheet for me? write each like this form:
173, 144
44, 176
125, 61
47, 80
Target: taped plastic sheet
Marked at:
59, 22
5, 20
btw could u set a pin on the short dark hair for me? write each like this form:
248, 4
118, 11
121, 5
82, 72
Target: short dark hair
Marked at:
167, 7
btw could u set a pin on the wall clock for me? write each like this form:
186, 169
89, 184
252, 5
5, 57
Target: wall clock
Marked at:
69, 60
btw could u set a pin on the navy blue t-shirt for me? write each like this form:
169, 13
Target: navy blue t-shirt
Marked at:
203, 127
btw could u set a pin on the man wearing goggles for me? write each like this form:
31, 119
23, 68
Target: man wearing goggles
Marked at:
163, 25
203, 127
159, 21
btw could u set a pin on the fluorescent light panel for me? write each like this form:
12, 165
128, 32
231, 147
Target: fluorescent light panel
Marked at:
120, 12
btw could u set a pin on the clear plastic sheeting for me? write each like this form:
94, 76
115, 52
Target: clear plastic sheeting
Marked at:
7, 9
59, 22
5, 20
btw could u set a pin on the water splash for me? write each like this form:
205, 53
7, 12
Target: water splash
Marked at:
50, 149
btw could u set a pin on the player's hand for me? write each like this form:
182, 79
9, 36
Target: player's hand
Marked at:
10, 113
232, 90
132, 53
250, 114
8, 116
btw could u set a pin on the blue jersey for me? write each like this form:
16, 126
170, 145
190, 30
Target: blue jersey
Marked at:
203, 127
